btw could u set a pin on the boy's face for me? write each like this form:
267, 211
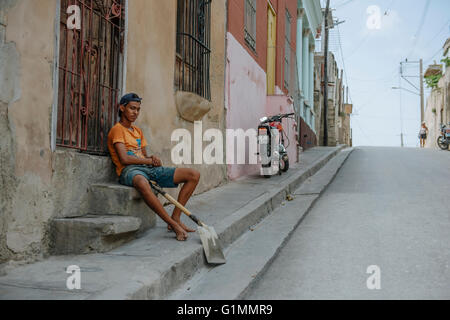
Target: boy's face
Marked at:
131, 111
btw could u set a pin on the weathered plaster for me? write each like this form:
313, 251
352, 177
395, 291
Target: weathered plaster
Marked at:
9, 92
25, 126
246, 101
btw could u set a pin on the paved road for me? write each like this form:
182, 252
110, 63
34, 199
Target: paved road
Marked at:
387, 207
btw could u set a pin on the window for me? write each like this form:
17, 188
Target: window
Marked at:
250, 24
287, 51
193, 47
90, 73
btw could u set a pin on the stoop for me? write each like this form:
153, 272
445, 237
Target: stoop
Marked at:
116, 214
89, 234
116, 199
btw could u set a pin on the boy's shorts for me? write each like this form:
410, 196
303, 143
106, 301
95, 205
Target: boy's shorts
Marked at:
163, 176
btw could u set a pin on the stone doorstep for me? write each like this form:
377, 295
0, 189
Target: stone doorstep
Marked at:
115, 199
127, 192
91, 233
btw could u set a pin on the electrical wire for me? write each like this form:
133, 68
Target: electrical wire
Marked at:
437, 34
434, 55
343, 64
419, 30
343, 4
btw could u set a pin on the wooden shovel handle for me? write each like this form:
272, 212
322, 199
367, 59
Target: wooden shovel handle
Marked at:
177, 204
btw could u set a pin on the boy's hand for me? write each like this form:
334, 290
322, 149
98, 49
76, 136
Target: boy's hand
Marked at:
156, 162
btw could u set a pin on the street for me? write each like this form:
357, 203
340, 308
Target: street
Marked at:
388, 208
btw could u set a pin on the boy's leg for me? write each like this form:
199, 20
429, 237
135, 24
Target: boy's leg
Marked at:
190, 179
143, 186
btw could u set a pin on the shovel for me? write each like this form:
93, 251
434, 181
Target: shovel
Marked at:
208, 236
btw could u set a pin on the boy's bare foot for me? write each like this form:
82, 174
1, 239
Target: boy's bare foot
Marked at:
185, 228
181, 235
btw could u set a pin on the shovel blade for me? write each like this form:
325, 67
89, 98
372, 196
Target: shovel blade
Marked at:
211, 245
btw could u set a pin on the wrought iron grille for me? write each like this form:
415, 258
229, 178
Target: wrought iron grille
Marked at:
250, 23
90, 72
193, 47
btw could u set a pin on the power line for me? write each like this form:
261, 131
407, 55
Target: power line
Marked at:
437, 34
364, 133
343, 64
419, 30
344, 4
434, 55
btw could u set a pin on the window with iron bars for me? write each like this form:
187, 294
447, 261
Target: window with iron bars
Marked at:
193, 47
250, 24
90, 74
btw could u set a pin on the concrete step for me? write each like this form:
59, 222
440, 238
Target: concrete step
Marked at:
250, 255
92, 233
115, 199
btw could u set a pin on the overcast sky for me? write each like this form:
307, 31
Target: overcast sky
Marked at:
410, 29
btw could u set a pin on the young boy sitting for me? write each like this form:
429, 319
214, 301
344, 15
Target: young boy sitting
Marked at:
126, 144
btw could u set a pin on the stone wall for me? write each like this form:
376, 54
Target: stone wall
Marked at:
437, 110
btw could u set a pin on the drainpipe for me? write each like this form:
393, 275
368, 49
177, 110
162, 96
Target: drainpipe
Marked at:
311, 75
305, 64
299, 54
325, 92
300, 14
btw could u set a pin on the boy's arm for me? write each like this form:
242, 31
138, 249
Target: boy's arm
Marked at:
126, 159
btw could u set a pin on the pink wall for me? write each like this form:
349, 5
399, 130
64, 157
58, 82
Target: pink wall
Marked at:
245, 87
280, 104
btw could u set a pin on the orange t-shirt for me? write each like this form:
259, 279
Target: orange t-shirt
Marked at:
134, 142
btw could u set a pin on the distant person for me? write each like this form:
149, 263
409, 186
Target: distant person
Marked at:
423, 134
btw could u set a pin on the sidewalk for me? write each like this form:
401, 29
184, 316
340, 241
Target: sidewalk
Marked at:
155, 265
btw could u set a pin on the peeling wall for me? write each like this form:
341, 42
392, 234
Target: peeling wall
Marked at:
9, 92
246, 89
26, 65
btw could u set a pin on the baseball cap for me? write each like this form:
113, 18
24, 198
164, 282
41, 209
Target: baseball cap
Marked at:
126, 99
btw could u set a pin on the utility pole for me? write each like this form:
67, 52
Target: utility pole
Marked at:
325, 91
421, 93
401, 113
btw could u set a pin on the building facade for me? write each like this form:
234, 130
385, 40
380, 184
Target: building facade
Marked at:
437, 110
309, 28
339, 110
260, 71
63, 66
